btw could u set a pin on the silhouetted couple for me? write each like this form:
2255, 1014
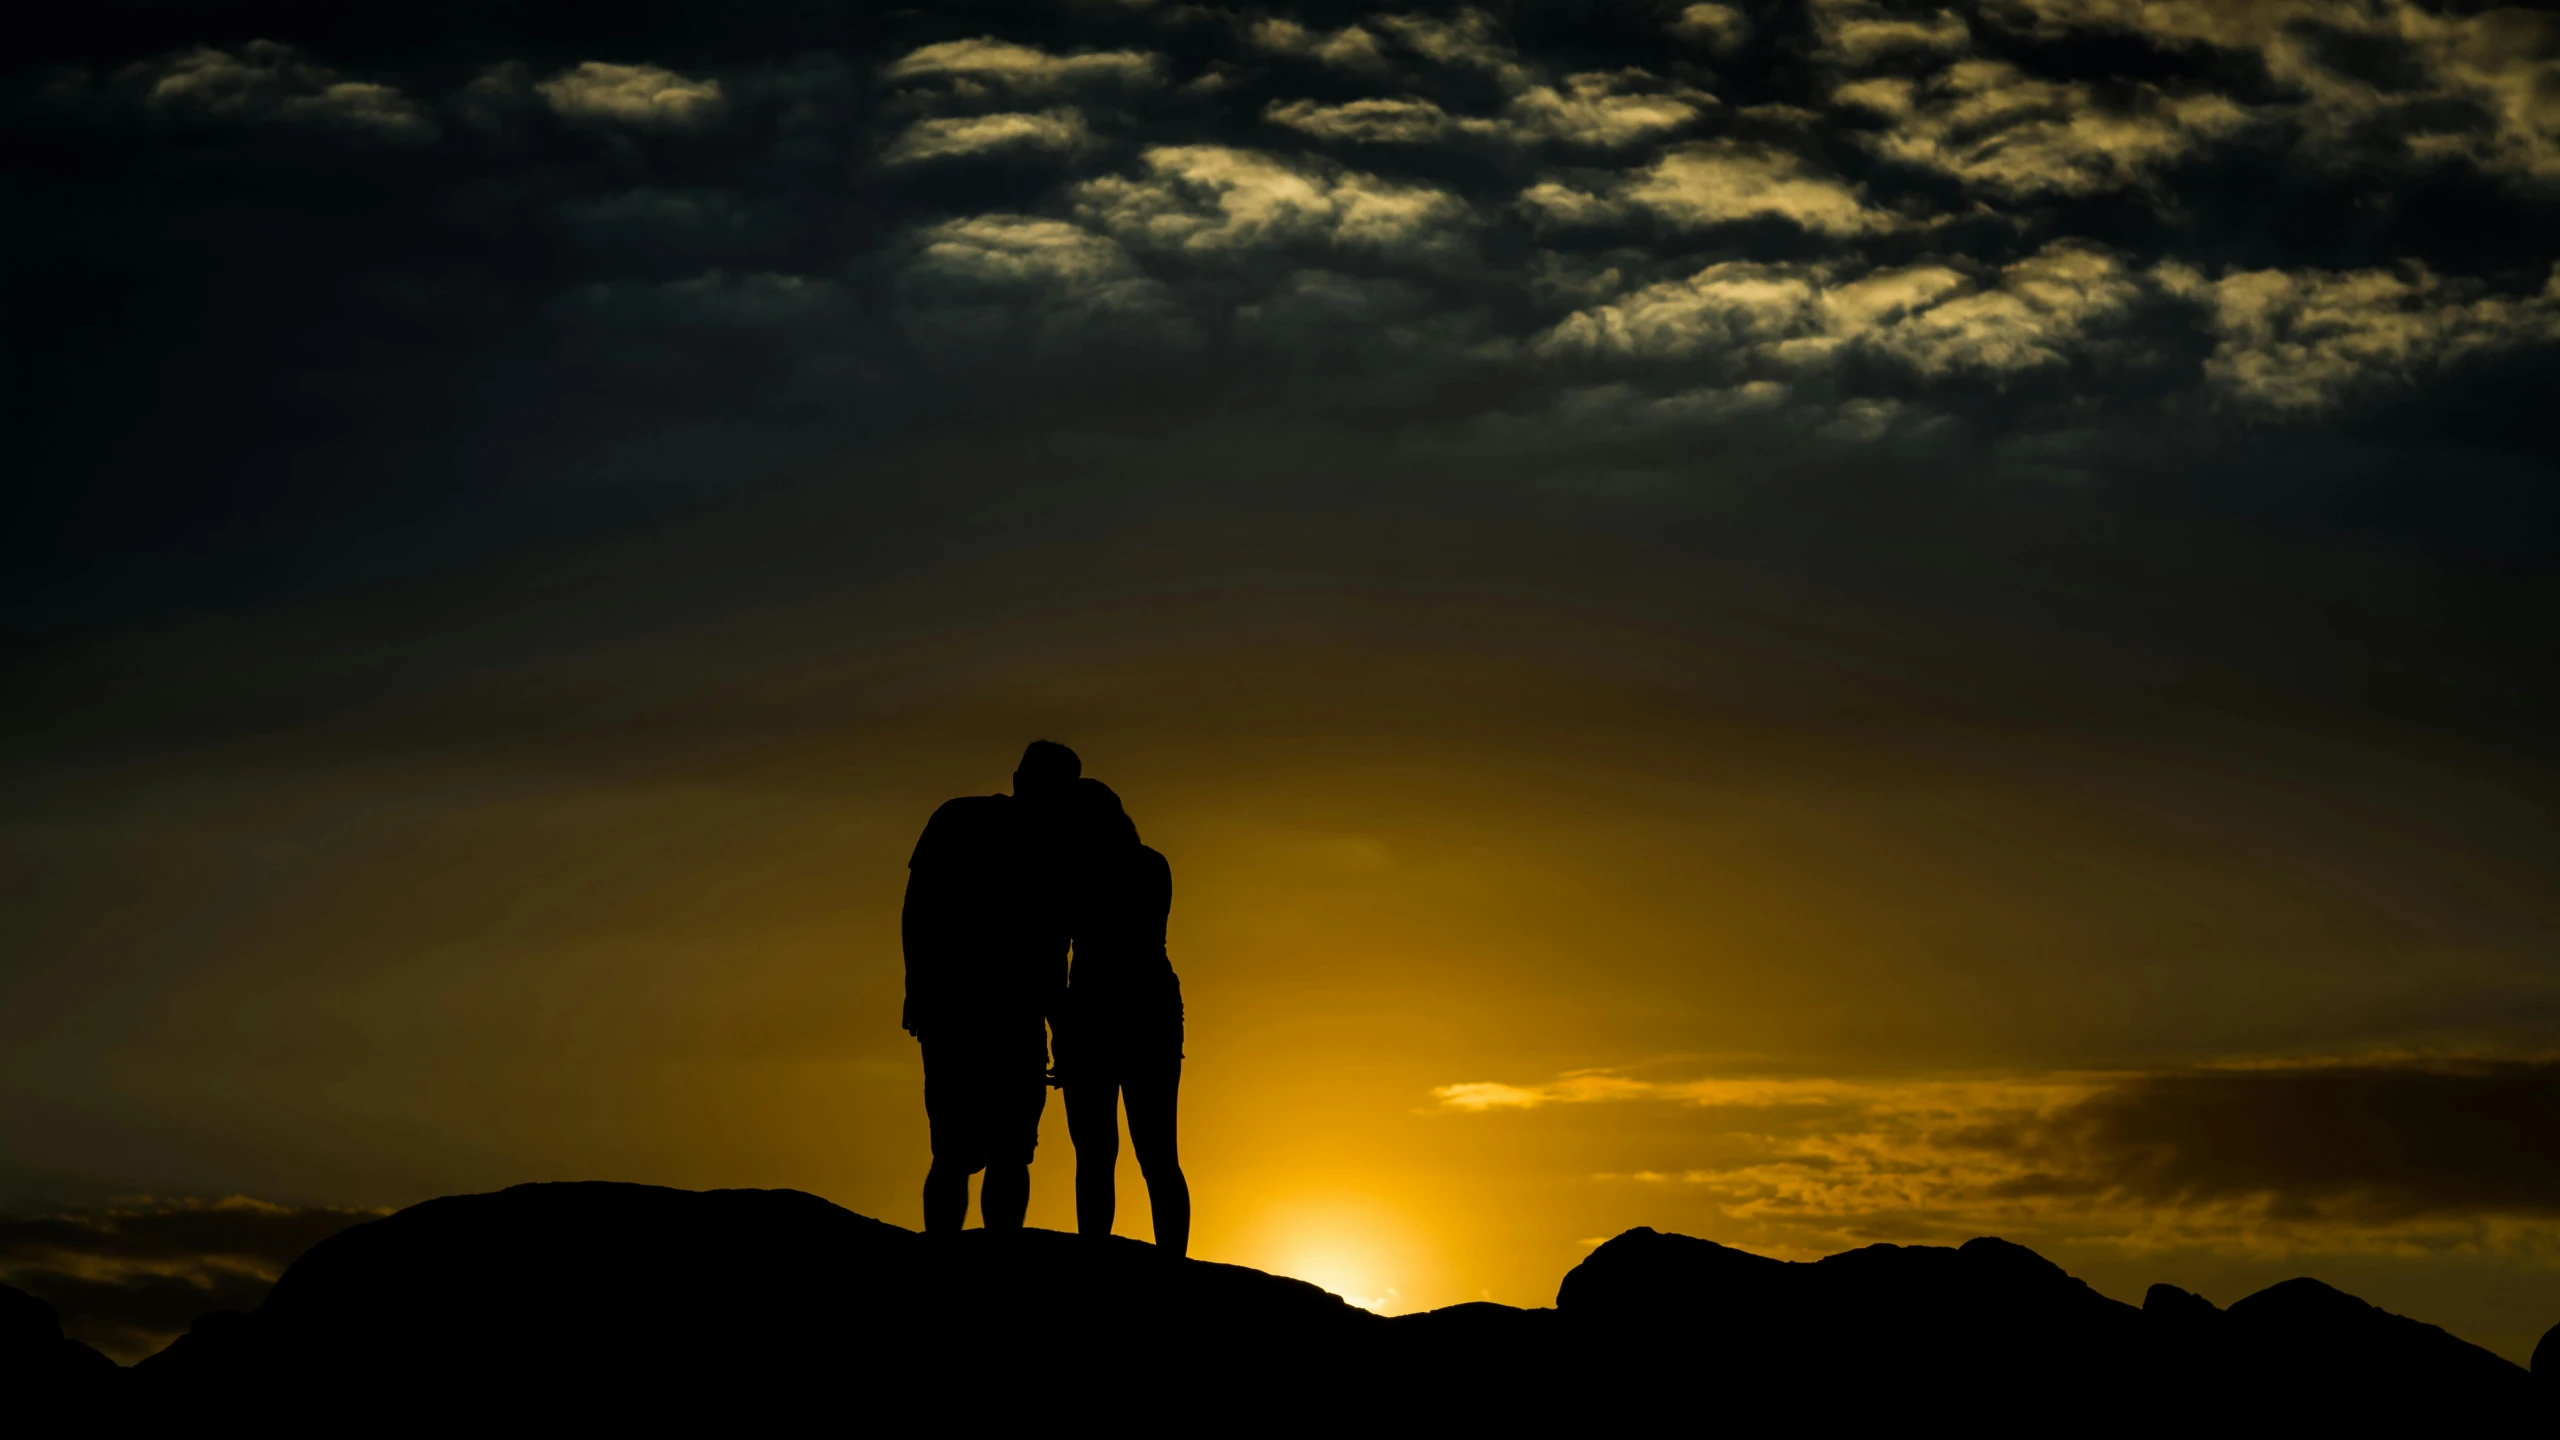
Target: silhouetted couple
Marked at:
1001, 888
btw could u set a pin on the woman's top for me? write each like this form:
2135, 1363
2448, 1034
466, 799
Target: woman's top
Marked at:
1124, 899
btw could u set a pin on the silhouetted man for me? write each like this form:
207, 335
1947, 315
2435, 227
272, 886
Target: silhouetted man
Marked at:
986, 943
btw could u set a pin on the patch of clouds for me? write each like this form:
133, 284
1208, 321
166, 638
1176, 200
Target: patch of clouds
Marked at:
1720, 28
1574, 1087
1601, 109
1349, 48
987, 65
2304, 340
1732, 306
989, 279
1718, 182
1059, 131
1555, 204
1990, 126
1934, 320
1597, 110
1465, 39
1211, 198
2037, 313
490, 100
1373, 121
1718, 403
1867, 419
1578, 278
1013, 249
643, 96
1858, 33
263, 82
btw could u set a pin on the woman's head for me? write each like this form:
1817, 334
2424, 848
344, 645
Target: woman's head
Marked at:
1099, 814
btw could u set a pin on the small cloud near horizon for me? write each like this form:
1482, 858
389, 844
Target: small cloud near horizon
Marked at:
132, 1277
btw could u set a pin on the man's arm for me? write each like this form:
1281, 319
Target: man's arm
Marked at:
913, 924
924, 921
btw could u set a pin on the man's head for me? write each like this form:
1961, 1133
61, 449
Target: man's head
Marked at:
1047, 771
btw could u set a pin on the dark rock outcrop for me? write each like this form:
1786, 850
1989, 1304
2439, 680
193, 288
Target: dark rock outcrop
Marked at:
1885, 1329
41, 1368
2327, 1354
2183, 1310
597, 1300
1992, 1333
592, 1303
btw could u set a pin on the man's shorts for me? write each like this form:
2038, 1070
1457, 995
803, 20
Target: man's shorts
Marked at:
984, 1088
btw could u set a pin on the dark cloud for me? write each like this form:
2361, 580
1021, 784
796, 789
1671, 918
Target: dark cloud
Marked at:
130, 1278
2335, 1156
2379, 1142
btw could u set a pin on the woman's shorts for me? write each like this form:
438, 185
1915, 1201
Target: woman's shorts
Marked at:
1106, 1036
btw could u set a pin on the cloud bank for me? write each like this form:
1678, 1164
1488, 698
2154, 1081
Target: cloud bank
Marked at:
2255, 1159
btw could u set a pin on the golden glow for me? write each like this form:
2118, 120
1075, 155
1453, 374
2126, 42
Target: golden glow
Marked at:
1352, 1245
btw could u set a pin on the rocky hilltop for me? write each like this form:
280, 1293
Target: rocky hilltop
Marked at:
586, 1303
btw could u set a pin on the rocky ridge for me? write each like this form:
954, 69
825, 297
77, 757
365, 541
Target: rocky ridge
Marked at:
580, 1302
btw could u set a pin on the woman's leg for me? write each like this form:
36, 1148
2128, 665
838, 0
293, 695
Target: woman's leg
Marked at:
1093, 1122
1153, 1094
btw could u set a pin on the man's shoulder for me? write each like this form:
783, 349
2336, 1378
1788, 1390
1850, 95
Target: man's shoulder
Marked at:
961, 825
971, 807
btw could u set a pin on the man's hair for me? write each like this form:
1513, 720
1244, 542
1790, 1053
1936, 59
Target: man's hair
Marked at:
1046, 762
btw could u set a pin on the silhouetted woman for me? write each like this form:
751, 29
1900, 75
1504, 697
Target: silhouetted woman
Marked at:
1120, 1035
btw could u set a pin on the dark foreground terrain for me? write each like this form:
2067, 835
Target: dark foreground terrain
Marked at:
574, 1304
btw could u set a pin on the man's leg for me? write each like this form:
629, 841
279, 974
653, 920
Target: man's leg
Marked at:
1017, 1091
946, 1197
1004, 1197
951, 1110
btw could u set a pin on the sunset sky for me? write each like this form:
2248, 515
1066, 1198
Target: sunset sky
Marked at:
1805, 623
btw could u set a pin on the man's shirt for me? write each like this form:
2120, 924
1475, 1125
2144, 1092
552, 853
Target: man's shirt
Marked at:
984, 926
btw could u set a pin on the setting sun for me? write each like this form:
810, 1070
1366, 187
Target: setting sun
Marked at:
1356, 1249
